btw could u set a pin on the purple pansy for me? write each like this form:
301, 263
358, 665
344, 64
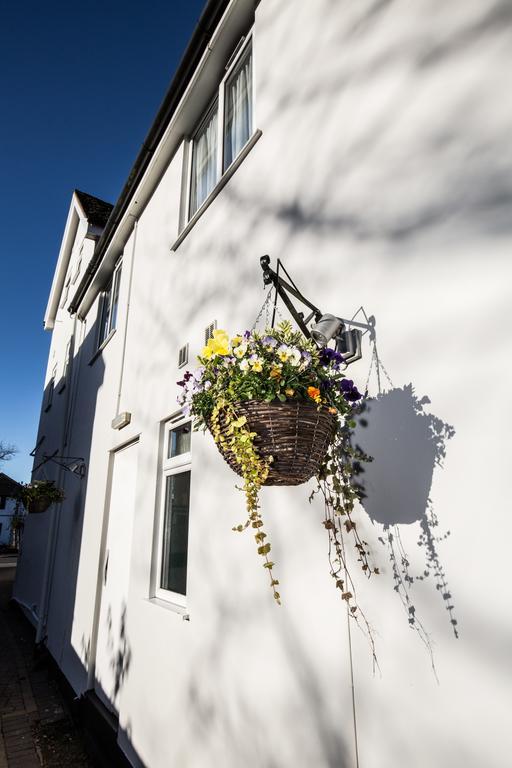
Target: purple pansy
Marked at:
350, 391
329, 356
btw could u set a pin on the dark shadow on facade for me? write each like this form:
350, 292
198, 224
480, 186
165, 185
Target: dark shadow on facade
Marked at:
406, 444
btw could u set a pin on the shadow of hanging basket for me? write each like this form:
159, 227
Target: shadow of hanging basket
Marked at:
295, 434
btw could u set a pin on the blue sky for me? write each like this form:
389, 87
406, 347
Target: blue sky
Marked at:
80, 87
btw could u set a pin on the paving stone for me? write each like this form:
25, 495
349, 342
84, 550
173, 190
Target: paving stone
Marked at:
36, 730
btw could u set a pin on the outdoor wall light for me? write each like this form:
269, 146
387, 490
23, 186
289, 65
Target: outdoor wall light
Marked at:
347, 334
325, 329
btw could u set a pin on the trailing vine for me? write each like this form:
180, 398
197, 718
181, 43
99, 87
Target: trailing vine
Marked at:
339, 490
238, 440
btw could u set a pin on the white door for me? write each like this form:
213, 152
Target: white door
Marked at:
113, 650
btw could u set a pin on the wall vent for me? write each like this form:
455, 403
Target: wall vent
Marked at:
208, 331
183, 356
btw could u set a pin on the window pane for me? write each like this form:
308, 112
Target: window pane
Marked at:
204, 162
179, 440
115, 300
105, 315
238, 117
175, 543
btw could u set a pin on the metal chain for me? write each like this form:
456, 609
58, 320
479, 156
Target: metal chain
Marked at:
264, 308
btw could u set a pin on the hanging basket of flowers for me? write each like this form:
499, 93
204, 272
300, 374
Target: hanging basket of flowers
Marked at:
39, 495
292, 436
274, 404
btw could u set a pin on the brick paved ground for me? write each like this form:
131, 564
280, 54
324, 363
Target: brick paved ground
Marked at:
35, 726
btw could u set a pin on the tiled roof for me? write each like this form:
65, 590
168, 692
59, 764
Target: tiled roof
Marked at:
8, 486
96, 210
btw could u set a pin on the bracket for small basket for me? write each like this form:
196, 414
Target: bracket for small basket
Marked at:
347, 334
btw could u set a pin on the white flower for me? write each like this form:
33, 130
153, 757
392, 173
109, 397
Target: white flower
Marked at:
240, 350
244, 365
283, 353
295, 356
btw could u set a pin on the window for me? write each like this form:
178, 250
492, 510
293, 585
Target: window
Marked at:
204, 160
78, 267
173, 559
65, 293
109, 306
224, 130
65, 367
49, 390
2, 502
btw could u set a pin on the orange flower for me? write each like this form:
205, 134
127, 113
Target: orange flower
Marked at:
314, 393
332, 410
275, 373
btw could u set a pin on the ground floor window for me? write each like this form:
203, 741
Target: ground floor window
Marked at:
174, 511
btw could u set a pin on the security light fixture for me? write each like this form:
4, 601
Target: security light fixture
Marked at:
347, 334
348, 344
325, 329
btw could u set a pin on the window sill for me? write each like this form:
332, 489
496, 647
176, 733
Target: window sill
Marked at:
102, 347
169, 606
228, 173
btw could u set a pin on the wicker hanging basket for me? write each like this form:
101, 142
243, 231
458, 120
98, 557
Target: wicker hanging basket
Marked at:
295, 434
39, 505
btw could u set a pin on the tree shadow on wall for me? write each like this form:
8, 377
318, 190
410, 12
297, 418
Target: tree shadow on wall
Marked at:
406, 445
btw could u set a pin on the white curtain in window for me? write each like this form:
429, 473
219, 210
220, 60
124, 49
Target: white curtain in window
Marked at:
204, 163
238, 111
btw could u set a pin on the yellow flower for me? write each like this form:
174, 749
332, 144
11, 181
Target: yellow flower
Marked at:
217, 345
289, 392
236, 340
275, 373
240, 350
257, 366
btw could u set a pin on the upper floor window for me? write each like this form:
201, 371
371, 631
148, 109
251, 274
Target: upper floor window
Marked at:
65, 366
224, 130
65, 293
109, 306
49, 390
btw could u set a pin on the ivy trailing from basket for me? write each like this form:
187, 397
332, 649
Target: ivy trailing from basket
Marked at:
281, 366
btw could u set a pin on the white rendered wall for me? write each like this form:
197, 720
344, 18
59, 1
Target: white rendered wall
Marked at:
382, 178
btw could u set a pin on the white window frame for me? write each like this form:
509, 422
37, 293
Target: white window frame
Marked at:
65, 367
171, 466
50, 390
219, 101
78, 266
65, 292
108, 295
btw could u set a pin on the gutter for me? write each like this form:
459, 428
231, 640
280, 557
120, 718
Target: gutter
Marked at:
202, 34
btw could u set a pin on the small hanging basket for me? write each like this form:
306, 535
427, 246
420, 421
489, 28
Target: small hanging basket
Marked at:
296, 434
36, 506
